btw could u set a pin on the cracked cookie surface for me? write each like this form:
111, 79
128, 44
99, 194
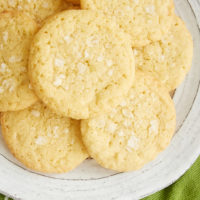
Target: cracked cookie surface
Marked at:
134, 132
42, 140
16, 33
144, 20
169, 59
81, 63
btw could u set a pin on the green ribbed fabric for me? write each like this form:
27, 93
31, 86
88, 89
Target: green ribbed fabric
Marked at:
186, 188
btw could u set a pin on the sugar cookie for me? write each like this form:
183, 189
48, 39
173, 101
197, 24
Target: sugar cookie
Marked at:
40, 9
80, 63
135, 132
42, 140
16, 33
144, 20
169, 59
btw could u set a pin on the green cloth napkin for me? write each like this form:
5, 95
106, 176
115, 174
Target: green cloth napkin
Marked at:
186, 188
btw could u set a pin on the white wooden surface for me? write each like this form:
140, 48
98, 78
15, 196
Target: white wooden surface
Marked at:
90, 181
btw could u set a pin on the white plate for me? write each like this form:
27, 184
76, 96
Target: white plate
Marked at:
89, 181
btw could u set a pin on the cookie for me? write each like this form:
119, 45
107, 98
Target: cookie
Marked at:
40, 9
144, 20
80, 63
169, 59
135, 132
76, 2
43, 141
16, 33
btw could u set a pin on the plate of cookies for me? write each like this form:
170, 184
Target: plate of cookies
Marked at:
98, 99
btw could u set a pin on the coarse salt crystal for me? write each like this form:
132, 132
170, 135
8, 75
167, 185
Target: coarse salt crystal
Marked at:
133, 142
11, 88
150, 9
30, 86
45, 5
3, 67
120, 133
59, 62
81, 67
66, 87
123, 103
86, 54
162, 57
154, 126
127, 123
55, 129
101, 124
1, 90
40, 140
67, 39
11, 2
109, 63
100, 59
35, 113
14, 59
110, 72
127, 113
135, 52
112, 127
5, 36
66, 131
57, 82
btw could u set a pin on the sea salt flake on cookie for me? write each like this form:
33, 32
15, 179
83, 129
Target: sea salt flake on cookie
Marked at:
14, 59
154, 127
109, 63
111, 127
127, 123
5, 36
101, 124
35, 113
66, 131
123, 103
45, 5
67, 39
59, 80
110, 72
100, 58
55, 131
1, 89
120, 133
86, 54
133, 143
11, 88
127, 113
82, 68
150, 9
59, 62
3, 67
40, 140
